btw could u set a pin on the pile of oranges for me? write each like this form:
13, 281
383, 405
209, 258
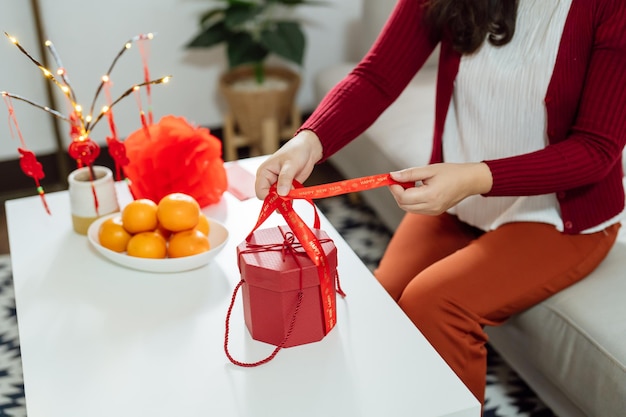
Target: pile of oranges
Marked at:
174, 227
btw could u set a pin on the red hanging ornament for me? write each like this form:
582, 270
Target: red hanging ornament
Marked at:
33, 168
84, 151
117, 150
28, 162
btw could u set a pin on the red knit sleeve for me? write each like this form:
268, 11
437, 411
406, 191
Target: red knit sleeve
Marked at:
586, 107
356, 102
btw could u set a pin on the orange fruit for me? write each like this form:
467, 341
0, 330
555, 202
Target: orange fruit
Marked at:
203, 225
112, 234
187, 243
163, 231
178, 211
147, 245
140, 216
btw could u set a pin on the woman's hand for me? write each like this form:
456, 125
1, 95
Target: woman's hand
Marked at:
294, 160
442, 186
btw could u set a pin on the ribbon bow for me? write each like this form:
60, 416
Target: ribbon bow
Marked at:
309, 242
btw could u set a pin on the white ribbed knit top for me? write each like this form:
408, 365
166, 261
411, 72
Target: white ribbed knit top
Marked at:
497, 110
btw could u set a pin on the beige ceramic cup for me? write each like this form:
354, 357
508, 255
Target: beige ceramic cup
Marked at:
89, 199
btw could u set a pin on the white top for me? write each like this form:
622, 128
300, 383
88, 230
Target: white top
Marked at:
484, 122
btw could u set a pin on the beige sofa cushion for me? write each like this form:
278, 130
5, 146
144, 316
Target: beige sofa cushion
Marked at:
575, 342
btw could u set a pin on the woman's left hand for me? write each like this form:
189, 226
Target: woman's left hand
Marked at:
441, 186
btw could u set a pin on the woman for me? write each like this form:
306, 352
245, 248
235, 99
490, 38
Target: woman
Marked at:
523, 195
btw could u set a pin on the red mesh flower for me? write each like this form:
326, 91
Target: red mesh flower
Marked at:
174, 156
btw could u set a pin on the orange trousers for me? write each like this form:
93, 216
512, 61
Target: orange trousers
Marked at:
452, 279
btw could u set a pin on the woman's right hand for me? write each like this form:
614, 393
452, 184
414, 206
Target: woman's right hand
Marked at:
294, 160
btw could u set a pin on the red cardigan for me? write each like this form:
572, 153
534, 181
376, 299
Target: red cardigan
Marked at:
585, 104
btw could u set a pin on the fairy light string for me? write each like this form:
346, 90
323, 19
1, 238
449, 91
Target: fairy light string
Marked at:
82, 148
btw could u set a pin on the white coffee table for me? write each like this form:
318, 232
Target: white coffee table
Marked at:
101, 340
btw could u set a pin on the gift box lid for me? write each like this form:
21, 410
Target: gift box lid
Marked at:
264, 263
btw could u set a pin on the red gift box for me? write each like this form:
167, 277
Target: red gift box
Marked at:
274, 269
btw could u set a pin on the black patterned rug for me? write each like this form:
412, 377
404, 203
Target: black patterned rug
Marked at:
11, 380
506, 394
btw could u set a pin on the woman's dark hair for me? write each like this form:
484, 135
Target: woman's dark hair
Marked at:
468, 22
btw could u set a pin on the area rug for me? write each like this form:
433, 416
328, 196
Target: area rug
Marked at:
506, 395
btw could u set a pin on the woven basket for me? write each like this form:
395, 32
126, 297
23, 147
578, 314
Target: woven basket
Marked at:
250, 108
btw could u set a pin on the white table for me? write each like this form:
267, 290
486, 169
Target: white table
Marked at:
101, 340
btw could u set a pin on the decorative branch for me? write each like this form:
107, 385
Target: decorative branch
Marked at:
106, 77
106, 109
50, 76
39, 106
61, 69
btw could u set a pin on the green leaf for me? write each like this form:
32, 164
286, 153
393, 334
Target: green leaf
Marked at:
285, 39
239, 14
210, 36
243, 49
207, 17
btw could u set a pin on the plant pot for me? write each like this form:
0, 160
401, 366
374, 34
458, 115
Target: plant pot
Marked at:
251, 106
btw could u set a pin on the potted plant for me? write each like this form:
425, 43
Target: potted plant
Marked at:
260, 97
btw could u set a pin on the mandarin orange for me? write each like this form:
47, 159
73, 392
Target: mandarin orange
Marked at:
178, 211
147, 245
140, 216
163, 231
203, 225
187, 243
112, 234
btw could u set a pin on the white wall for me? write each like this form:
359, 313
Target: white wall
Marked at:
88, 35
18, 75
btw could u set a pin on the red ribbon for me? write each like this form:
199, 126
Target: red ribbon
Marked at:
346, 187
311, 245
313, 248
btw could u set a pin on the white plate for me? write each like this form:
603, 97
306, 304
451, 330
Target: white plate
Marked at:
218, 235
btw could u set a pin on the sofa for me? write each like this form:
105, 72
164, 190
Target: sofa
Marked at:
571, 348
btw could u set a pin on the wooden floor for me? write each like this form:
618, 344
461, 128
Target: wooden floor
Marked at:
323, 173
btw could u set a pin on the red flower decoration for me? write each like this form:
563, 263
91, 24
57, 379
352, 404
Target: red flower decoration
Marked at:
175, 157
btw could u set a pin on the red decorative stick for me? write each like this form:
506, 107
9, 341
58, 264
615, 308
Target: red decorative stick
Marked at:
144, 51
